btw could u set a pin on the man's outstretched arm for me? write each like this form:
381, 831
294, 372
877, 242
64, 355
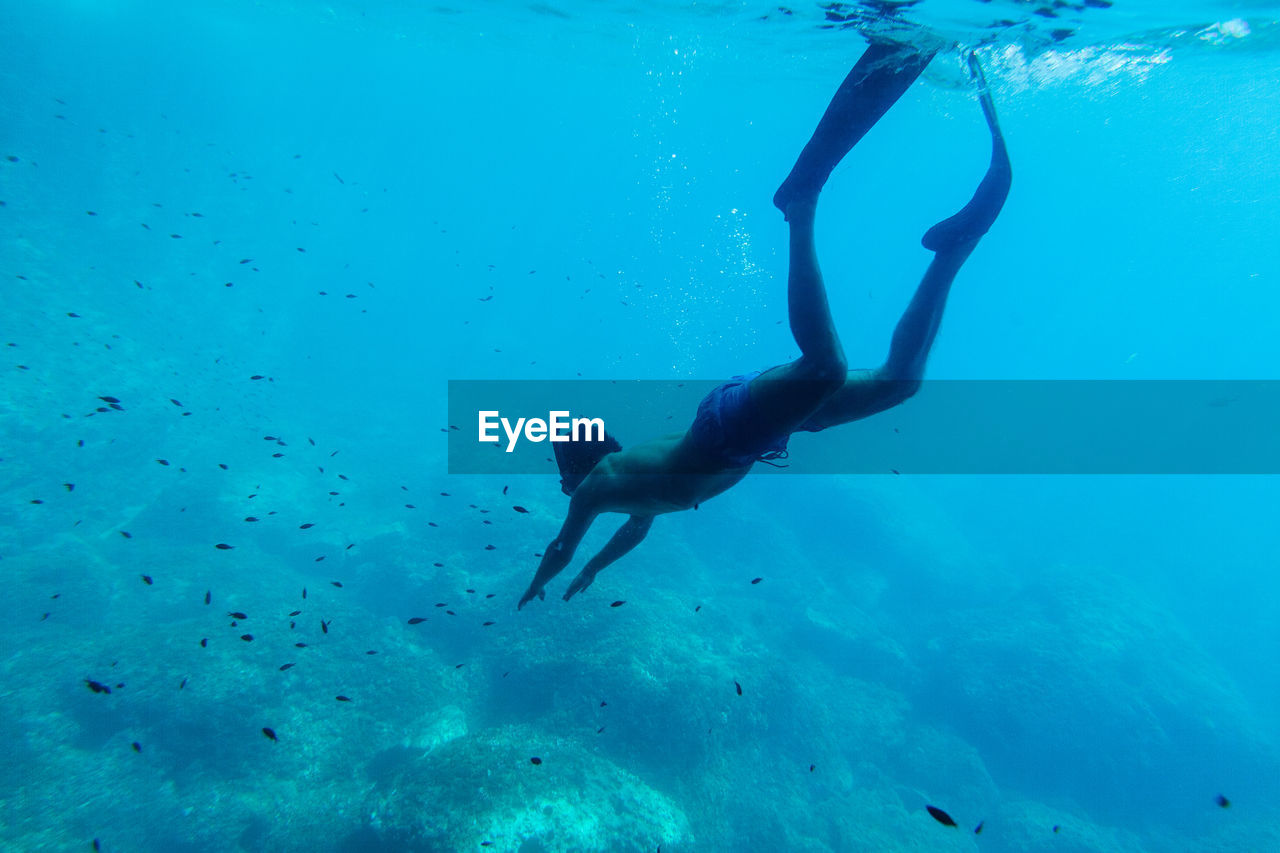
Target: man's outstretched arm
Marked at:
560, 552
629, 535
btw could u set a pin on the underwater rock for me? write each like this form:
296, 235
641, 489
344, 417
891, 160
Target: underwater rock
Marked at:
1081, 684
1028, 825
436, 728
847, 640
482, 787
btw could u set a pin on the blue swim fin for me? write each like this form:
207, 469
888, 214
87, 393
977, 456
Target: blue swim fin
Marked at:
976, 217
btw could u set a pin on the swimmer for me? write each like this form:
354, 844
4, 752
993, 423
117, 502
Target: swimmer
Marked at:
750, 417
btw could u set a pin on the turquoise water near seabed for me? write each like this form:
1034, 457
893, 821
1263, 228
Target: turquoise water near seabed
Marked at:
1091, 653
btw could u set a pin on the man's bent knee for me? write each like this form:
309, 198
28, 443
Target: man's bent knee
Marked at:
897, 391
827, 374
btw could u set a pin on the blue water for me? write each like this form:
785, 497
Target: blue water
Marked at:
1092, 653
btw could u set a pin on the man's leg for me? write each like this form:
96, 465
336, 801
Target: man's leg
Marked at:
782, 398
867, 392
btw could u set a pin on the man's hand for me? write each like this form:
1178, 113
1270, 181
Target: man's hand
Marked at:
529, 595
581, 582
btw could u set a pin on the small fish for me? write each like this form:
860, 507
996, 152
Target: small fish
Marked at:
183, 684
535, 760
490, 548
617, 604
163, 461
96, 686
270, 734
811, 767
603, 703
70, 487
248, 638
504, 489
257, 376
1223, 802
126, 534
942, 817
417, 620
237, 615
251, 518
371, 652
223, 546
204, 642
324, 626
109, 399
306, 526
175, 402
146, 579
304, 592
599, 730
519, 509
1056, 828
977, 830
208, 596
223, 466
338, 584
137, 747
696, 609
342, 698
295, 613
97, 845
300, 645
285, 666
739, 687
755, 581
487, 624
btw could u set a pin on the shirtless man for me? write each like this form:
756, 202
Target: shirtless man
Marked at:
750, 417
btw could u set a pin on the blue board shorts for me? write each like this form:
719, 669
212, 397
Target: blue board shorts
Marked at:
721, 427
